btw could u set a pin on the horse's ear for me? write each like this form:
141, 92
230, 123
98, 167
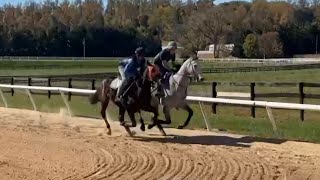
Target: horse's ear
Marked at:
194, 57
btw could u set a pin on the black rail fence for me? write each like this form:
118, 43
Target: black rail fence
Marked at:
261, 68
299, 94
204, 69
91, 83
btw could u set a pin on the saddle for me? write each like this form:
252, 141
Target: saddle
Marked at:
116, 83
165, 80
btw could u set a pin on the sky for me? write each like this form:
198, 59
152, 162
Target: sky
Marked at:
15, 2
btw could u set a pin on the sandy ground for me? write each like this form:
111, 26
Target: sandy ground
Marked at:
53, 146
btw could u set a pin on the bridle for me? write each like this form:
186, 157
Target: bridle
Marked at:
183, 75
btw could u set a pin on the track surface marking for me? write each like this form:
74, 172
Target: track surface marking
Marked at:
54, 146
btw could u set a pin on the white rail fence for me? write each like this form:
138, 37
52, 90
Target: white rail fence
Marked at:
200, 100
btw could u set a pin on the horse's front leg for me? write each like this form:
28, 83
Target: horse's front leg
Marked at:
143, 126
132, 118
155, 120
187, 108
166, 112
122, 112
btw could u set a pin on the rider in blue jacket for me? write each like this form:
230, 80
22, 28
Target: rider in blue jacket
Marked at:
131, 69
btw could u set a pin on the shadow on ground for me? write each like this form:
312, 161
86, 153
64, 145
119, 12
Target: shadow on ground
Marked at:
211, 140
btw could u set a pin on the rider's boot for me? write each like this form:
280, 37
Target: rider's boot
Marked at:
160, 91
120, 92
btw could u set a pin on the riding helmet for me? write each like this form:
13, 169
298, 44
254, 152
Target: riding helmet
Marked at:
140, 51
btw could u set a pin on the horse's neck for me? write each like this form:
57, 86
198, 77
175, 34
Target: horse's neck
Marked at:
145, 87
181, 77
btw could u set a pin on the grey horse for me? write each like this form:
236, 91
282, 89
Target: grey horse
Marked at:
176, 90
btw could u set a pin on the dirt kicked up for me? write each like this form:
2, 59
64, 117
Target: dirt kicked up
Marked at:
53, 146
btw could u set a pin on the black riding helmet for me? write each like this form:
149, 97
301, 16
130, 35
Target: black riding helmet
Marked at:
140, 51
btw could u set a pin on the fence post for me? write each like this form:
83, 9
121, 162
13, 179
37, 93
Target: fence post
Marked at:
301, 85
93, 82
49, 85
252, 97
214, 95
69, 86
12, 83
29, 81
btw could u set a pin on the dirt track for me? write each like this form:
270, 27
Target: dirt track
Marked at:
57, 147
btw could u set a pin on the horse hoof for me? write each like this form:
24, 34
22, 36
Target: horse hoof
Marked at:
180, 127
109, 132
122, 123
142, 127
163, 132
132, 133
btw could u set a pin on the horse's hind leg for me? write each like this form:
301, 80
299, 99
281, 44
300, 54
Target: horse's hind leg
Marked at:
187, 108
103, 114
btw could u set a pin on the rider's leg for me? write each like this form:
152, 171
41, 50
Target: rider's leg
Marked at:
160, 91
122, 88
126, 84
121, 71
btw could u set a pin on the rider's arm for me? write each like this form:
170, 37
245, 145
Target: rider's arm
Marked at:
173, 60
163, 60
165, 65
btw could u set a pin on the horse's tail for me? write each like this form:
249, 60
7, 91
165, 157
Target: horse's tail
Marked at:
101, 92
94, 98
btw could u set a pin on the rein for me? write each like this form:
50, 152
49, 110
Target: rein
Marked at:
129, 87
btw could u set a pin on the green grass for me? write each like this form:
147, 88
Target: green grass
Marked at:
12, 65
33, 72
312, 75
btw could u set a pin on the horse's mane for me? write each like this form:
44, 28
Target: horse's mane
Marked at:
187, 61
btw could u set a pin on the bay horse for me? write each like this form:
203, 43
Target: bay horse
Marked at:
139, 97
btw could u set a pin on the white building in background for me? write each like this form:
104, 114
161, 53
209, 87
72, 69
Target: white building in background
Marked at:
221, 49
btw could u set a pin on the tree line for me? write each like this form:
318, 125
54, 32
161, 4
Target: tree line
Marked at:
259, 29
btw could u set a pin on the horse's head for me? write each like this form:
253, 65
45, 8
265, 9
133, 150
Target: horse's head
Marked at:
153, 72
193, 68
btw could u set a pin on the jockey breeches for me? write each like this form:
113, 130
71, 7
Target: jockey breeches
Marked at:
121, 71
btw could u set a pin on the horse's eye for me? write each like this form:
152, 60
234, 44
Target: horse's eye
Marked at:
195, 66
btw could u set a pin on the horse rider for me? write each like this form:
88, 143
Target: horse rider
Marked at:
162, 59
131, 69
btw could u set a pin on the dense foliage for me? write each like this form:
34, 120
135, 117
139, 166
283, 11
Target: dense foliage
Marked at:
259, 29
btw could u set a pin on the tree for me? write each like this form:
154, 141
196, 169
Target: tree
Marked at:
270, 45
57, 27
209, 25
250, 46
